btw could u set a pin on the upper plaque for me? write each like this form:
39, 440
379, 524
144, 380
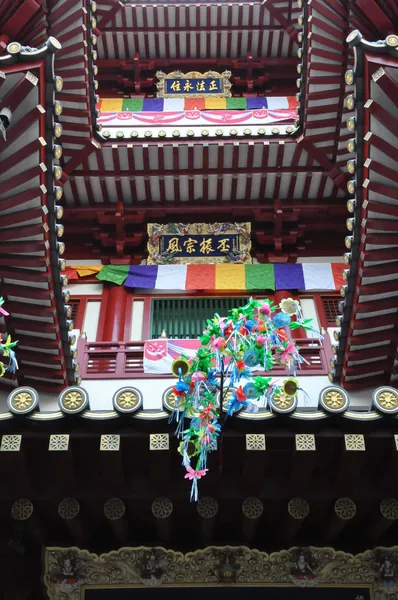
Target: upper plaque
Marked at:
194, 84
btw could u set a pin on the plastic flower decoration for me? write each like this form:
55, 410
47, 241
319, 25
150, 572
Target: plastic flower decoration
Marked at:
289, 306
219, 381
6, 349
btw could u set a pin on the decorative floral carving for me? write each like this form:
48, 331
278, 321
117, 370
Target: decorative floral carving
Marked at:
305, 441
67, 569
255, 441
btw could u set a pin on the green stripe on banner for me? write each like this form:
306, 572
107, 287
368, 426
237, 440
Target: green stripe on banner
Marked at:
134, 104
260, 277
236, 104
114, 273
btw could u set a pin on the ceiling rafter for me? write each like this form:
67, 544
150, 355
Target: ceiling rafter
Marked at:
287, 26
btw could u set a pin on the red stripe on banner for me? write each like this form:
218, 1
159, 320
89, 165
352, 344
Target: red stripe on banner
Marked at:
71, 273
337, 270
292, 102
201, 277
194, 103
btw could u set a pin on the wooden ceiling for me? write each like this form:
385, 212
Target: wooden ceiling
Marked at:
338, 467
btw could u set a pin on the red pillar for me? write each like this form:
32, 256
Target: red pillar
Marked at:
114, 319
280, 295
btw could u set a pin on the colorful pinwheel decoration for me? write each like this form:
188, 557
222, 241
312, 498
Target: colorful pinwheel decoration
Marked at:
6, 349
219, 379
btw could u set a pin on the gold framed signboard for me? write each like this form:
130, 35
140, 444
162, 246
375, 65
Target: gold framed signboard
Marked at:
298, 573
199, 243
193, 84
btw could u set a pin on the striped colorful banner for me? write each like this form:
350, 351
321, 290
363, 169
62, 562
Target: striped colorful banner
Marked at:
306, 276
141, 104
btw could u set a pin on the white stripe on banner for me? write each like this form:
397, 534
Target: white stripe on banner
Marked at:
173, 104
277, 102
318, 276
171, 277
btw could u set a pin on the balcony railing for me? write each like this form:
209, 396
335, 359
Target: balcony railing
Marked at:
125, 360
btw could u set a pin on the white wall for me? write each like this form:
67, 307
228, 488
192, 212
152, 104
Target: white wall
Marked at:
308, 308
91, 319
85, 289
137, 320
102, 391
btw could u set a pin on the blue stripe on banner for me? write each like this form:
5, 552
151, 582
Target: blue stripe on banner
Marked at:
289, 277
142, 276
256, 103
153, 105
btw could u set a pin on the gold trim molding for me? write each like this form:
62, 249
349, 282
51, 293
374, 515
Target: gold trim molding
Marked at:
69, 571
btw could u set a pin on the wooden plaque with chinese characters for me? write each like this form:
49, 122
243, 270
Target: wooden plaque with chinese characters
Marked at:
194, 84
178, 243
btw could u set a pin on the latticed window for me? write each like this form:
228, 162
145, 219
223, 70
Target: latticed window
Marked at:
331, 308
185, 318
75, 308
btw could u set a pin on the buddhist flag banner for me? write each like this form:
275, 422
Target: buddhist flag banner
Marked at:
140, 111
114, 273
232, 277
141, 104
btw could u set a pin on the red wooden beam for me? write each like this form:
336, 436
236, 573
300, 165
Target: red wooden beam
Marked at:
110, 14
370, 353
376, 256
367, 339
46, 345
387, 84
376, 15
23, 124
22, 216
339, 178
33, 262
19, 233
383, 116
17, 93
80, 156
376, 323
381, 287
19, 17
23, 308
381, 239
287, 26
381, 188
204, 171
357, 370
26, 275
35, 326
321, 25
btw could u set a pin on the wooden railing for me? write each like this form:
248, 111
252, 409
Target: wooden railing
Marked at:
124, 360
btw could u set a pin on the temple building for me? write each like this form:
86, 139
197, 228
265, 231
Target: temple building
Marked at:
163, 164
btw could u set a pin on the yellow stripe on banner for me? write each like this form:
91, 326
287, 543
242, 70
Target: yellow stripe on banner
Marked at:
216, 103
111, 104
230, 277
86, 271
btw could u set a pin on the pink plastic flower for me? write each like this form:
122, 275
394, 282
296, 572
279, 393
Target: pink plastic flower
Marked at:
261, 339
218, 343
288, 352
265, 309
198, 376
192, 474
